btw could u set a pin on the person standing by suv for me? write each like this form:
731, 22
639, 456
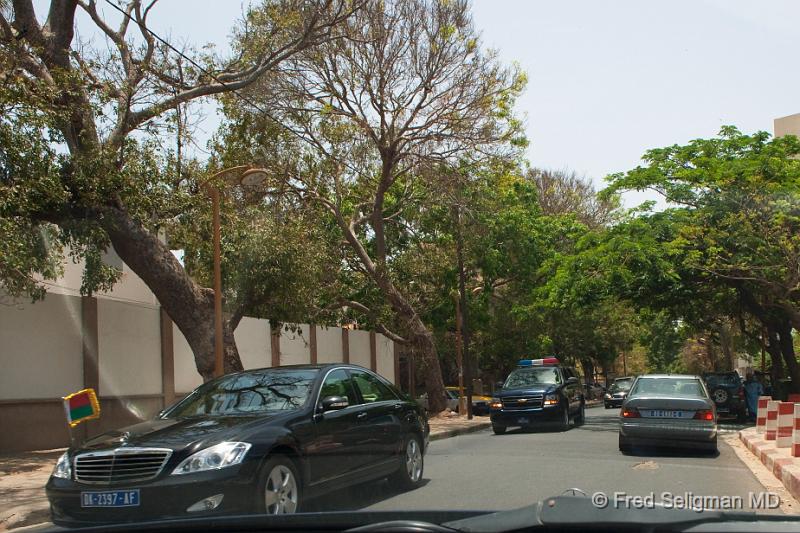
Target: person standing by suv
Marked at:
752, 390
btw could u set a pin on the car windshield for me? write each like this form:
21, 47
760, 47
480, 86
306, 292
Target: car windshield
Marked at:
531, 377
278, 390
727, 380
621, 386
689, 387
249, 249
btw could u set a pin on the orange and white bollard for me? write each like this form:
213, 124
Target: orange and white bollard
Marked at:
772, 420
761, 416
796, 431
785, 425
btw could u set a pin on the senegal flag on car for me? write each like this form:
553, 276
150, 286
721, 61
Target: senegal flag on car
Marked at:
81, 406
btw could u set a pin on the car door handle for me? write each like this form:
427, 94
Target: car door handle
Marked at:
361, 415
398, 406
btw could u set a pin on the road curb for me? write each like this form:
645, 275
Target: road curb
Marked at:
777, 460
454, 432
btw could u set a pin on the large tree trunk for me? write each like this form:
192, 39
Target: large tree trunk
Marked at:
190, 306
786, 343
423, 349
421, 342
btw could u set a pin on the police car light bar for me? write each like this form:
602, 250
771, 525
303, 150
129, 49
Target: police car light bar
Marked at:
547, 361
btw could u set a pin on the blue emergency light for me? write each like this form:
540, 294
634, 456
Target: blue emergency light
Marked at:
547, 361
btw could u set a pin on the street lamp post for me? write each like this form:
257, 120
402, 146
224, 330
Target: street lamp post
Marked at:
249, 177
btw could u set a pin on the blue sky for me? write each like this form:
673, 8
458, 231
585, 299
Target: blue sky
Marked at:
607, 79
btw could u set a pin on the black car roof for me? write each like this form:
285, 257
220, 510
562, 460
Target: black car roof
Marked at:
321, 366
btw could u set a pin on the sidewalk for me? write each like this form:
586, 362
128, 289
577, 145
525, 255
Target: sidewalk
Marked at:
444, 426
22, 479
779, 461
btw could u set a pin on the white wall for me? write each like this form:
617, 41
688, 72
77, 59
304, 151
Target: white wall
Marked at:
187, 378
359, 347
329, 345
42, 356
253, 342
129, 346
41, 348
295, 345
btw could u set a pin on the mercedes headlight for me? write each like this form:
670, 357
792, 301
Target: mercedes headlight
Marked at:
213, 458
63, 469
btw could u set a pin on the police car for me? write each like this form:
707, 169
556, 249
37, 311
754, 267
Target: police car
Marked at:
539, 390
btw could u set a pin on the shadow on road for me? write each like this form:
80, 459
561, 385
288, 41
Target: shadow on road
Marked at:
354, 498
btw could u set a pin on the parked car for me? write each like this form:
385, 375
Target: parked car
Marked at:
480, 404
539, 390
593, 391
451, 400
668, 411
617, 392
727, 391
259, 441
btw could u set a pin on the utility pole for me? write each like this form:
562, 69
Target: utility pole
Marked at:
462, 406
624, 364
462, 306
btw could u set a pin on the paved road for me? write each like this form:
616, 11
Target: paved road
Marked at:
485, 471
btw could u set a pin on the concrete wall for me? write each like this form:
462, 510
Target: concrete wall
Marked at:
187, 378
359, 348
129, 342
122, 344
252, 340
787, 125
41, 350
329, 345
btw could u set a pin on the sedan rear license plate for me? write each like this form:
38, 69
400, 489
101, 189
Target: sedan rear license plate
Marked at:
657, 413
110, 498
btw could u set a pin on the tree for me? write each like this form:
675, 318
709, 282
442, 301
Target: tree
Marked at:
82, 162
565, 193
381, 114
740, 224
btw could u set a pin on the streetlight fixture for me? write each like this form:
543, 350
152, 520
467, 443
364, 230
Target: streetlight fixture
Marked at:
241, 175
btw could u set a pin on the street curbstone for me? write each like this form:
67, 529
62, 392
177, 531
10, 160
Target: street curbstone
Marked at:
454, 432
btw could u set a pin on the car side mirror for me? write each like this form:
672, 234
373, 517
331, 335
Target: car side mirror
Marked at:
334, 403
572, 380
498, 385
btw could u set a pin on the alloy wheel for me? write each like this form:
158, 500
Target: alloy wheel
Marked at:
280, 491
413, 460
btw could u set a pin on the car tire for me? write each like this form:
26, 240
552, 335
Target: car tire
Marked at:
624, 446
606, 406
720, 396
581, 418
712, 449
563, 424
409, 475
279, 487
498, 430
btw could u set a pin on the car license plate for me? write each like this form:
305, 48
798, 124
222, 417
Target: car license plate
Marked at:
722, 409
657, 413
522, 420
110, 498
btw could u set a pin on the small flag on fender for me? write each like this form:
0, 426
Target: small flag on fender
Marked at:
81, 406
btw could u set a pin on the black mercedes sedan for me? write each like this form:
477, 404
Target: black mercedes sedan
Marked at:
259, 441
